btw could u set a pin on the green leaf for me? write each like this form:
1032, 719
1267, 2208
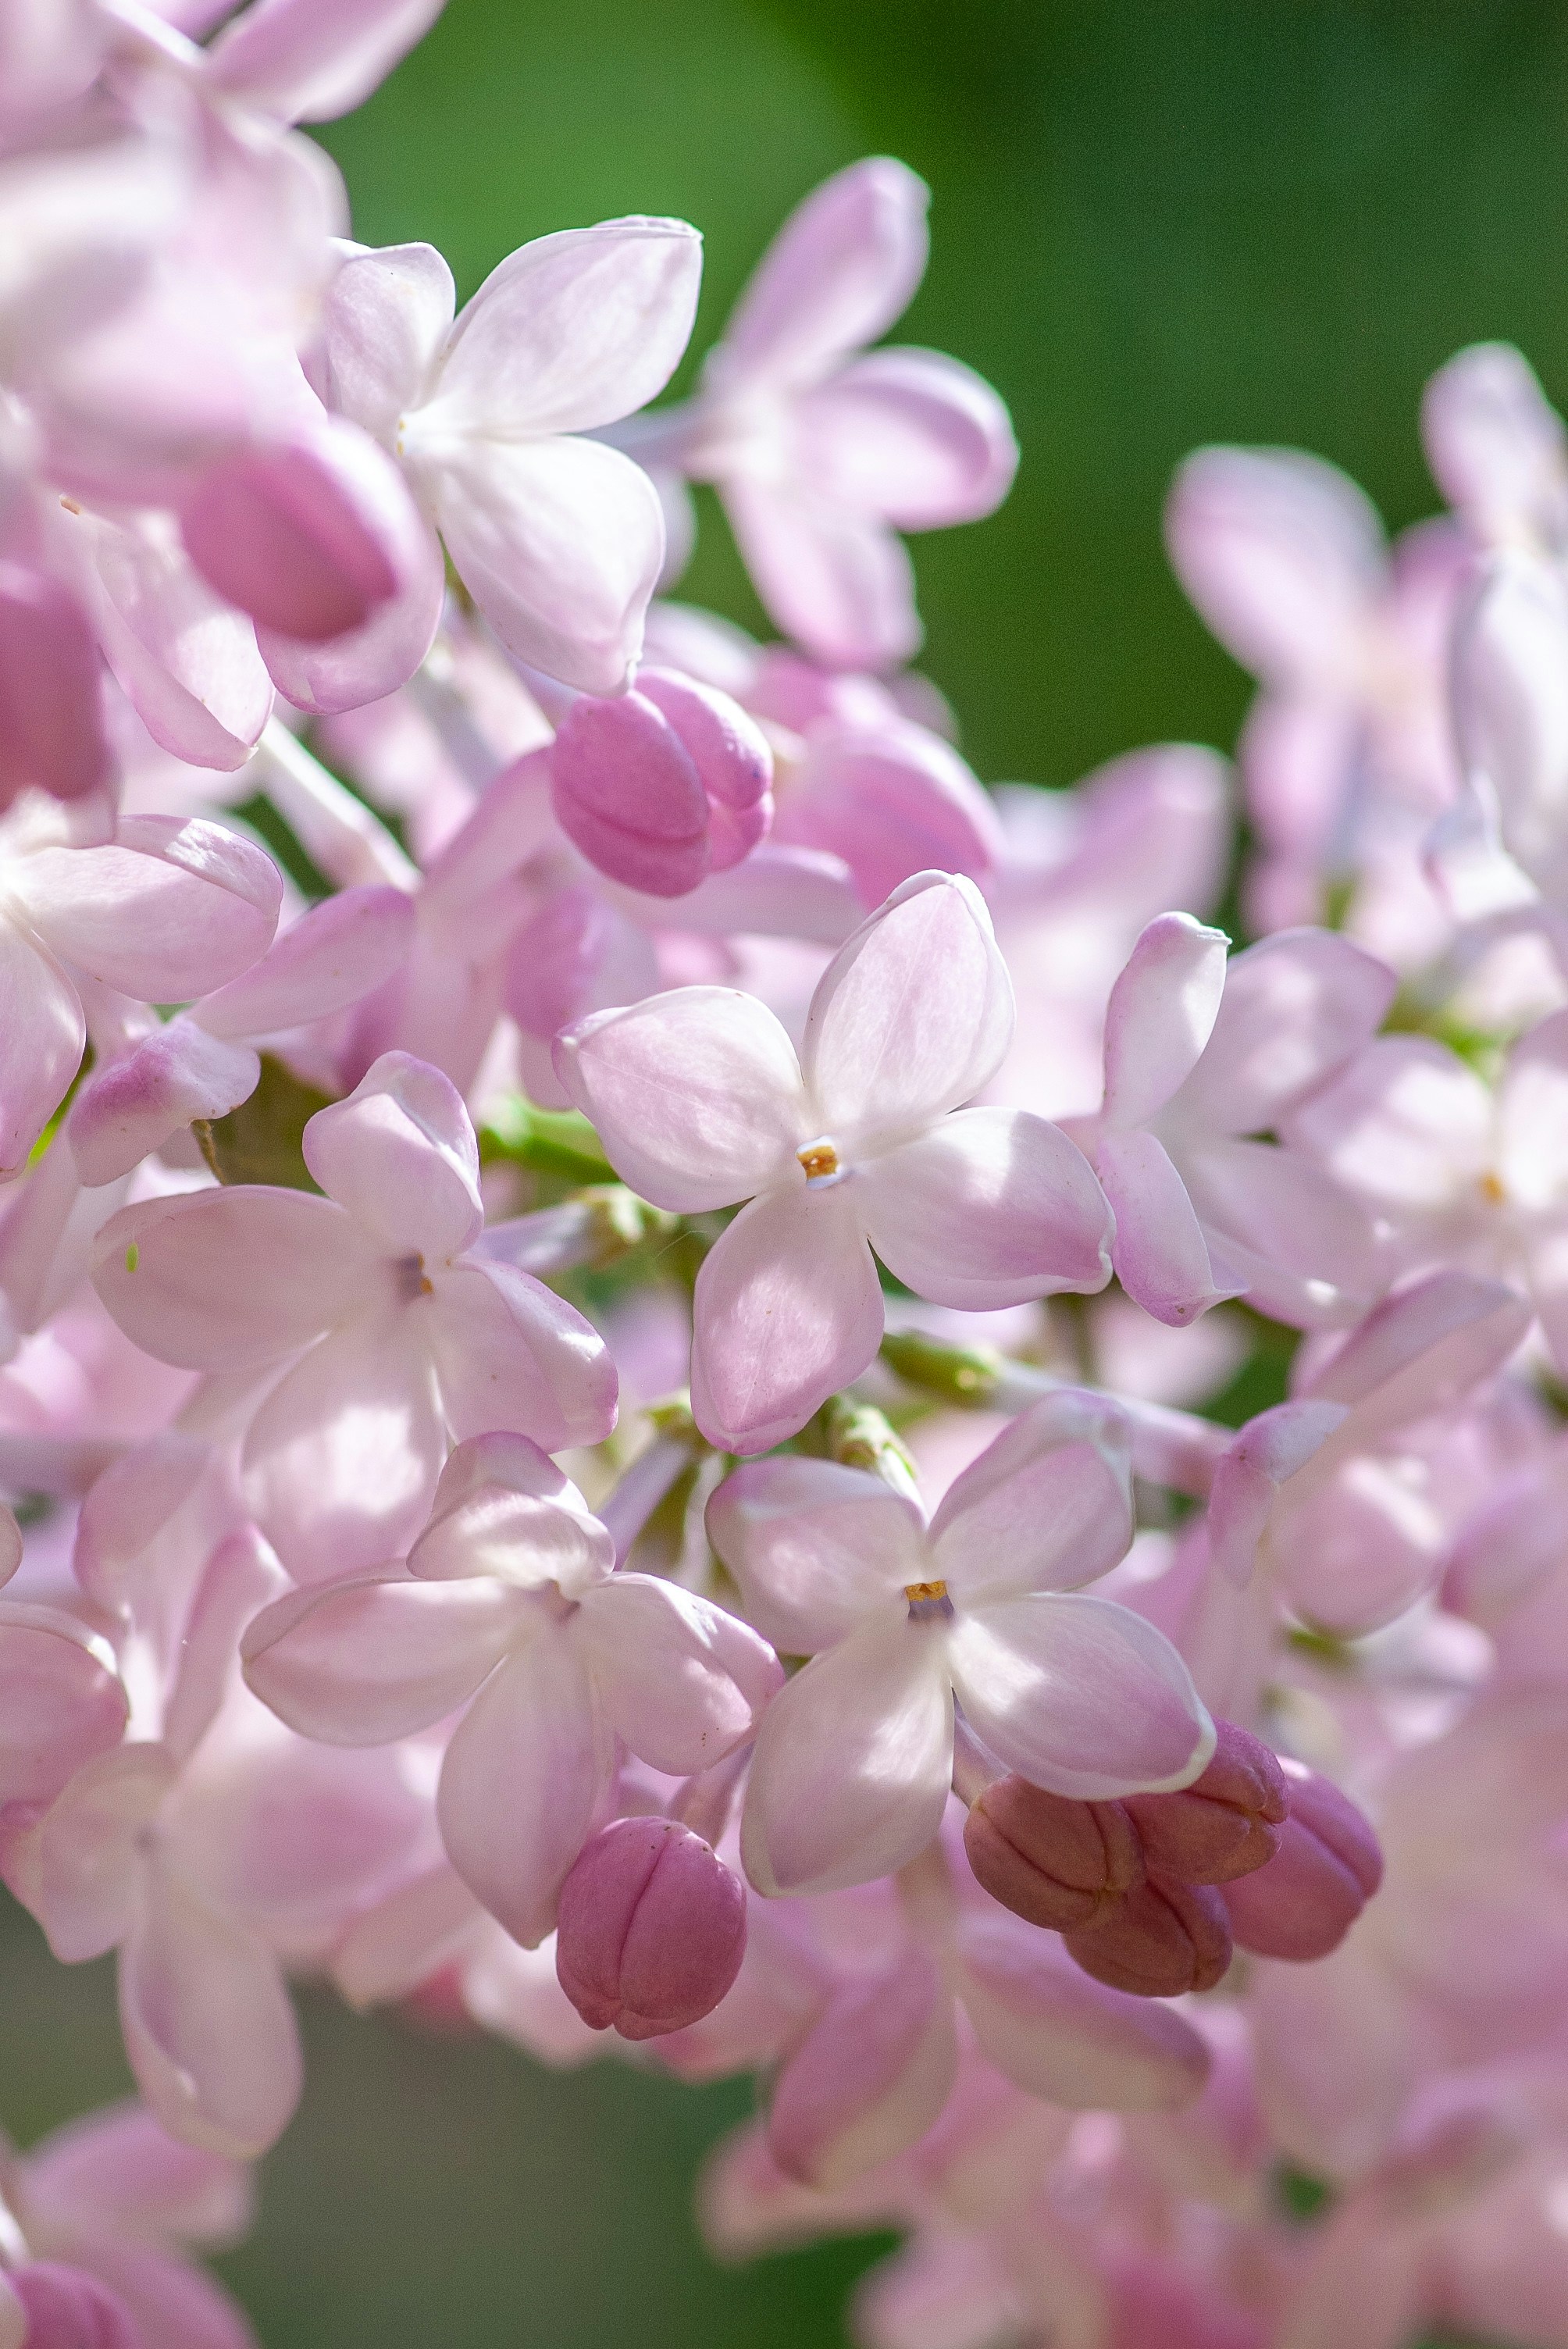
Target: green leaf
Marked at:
259, 1141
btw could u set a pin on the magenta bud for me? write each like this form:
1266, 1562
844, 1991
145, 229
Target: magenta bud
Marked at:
651, 1928
1225, 1823
1052, 1861
1164, 1938
730, 753
68, 2310
291, 537
1328, 1865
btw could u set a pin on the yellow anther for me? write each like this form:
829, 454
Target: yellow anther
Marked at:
1491, 1188
819, 1158
918, 1592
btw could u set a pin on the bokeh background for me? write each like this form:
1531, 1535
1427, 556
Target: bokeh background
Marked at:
1156, 223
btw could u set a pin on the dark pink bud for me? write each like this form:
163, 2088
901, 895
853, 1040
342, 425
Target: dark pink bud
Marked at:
297, 536
68, 2310
1051, 1860
730, 753
1164, 1938
51, 733
1225, 1823
651, 1930
1328, 1865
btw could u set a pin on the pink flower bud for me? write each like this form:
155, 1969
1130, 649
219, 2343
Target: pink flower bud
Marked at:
1329, 1864
67, 2310
1052, 1861
1225, 1823
661, 786
1162, 1938
51, 733
651, 1930
305, 537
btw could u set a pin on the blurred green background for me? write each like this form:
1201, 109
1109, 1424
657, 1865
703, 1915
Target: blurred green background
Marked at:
1154, 225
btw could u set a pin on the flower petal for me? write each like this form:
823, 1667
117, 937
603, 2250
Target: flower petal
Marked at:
1421, 1350
1080, 1695
1162, 1013
61, 1700
1061, 2034
310, 60
1161, 1255
42, 1033
853, 1761
681, 1681
1494, 441
561, 544
386, 317
892, 799
400, 1155
1295, 1007
870, 2077
129, 1106
911, 1016
572, 331
187, 660
365, 663
80, 1870
911, 435
993, 1207
840, 583
1048, 1506
530, 1731
695, 1094
788, 1309
228, 1280
1305, 1248
843, 267
341, 1459
814, 1546
331, 956
502, 1507
170, 909
362, 1663
510, 1354
208, 2030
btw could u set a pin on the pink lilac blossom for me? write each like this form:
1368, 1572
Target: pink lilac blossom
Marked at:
1175, 1804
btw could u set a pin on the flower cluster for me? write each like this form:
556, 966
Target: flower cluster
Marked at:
646, 1333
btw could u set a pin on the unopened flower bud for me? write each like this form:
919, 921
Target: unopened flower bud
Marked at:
1163, 1938
660, 786
1052, 1861
1225, 1823
1328, 1865
68, 2310
651, 1930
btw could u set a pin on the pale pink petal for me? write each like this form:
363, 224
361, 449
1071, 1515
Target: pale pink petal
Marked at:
176, 2304
788, 1309
309, 537
627, 794
1421, 1349
1080, 1695
400, 1155
1066, 2037
1295, 1007
129, 1507
840, 270
840, 583
42, 1033
310, 60
532, 1731
362, 1663
227, 1281
695, 1094
187, 661
993, 1207
1305, 1248
1494, 441
1161, 1014
891, 800
560, 542
119, 2172
241, 1576
870, 2077
911, 1016
61, 1700
1532, 1117
78, 1871
1282, 555
1510, 708
51, 724
367, 663
570, 332
1048, 1506
209, 2029
502, 1507
129, 1106
510, 1354
814, 1546
1266, 1452
1161, 1255
170, 909
341, 1459
331, 956
1408, 1124
386, 316
681, 1681
853, 1760
911, 435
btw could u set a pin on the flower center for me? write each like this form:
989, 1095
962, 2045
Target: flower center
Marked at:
1492, 1189
820, 1159
413, 1280
926, 1599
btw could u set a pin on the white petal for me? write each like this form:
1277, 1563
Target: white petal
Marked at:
991, 1207
366, 1662
682, 1682
814, 1546
1048, 1506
